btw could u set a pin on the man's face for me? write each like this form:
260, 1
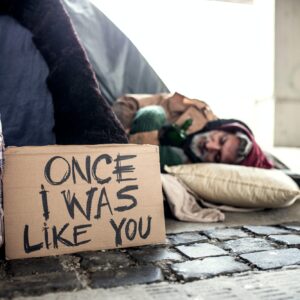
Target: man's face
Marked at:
216, 146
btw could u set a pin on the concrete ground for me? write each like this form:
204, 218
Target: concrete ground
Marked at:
248, 256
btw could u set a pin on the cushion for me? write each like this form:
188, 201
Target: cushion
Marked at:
238, 186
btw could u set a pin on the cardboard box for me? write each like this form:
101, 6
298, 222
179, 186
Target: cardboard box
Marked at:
66, 199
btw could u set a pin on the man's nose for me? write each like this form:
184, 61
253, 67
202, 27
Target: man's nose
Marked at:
213, 145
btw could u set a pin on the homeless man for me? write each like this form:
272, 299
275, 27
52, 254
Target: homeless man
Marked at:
187, 131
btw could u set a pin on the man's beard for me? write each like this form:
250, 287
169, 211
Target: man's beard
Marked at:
198, 145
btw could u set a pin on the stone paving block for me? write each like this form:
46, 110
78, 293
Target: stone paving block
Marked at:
201, 250
70, 262
287, 239
246, 245
126, 276
2, 270
208, 267
273, 259
98, 260
265, 230
39, 284
186, 237
291, 226
31, 266
2, 253
146, 255
225, 233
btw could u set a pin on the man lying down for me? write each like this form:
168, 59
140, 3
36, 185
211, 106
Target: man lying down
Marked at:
222, 141
188, 132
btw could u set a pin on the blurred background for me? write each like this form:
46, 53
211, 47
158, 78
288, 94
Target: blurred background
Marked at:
241, 56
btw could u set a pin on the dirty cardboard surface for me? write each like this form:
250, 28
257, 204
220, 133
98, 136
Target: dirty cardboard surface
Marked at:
66, 199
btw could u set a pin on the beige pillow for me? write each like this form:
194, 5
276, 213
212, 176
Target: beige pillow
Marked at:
238, 185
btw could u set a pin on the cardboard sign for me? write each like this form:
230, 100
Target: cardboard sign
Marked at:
65, 199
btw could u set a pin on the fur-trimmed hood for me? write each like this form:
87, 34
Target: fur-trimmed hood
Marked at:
255, 158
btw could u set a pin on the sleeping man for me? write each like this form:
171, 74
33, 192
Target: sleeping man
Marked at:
187, 131
225, 141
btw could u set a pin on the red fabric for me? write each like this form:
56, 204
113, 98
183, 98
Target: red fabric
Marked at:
256, 157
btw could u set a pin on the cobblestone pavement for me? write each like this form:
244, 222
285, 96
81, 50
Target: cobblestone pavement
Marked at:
187, 259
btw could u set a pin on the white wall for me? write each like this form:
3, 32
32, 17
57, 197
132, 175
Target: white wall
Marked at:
225, 54
277, 100
264, 106
203, 49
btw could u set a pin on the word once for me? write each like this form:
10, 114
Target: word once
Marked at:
91, 169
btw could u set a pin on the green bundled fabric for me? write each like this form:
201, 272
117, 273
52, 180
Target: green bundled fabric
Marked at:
153, 118
148, 118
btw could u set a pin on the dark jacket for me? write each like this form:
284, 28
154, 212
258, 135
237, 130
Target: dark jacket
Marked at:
81, 114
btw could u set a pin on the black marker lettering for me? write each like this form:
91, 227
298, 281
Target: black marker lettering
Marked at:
131, 235
108, 161
119, 169
118, 237
27, 247
47, 171
103, 194
148, 230
57, 236
75, 167
43, 193
77, 230
72, 202
121, 194
46, 235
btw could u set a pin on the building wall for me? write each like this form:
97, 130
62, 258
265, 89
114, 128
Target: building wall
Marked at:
264, 104
287, 73
277, 101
